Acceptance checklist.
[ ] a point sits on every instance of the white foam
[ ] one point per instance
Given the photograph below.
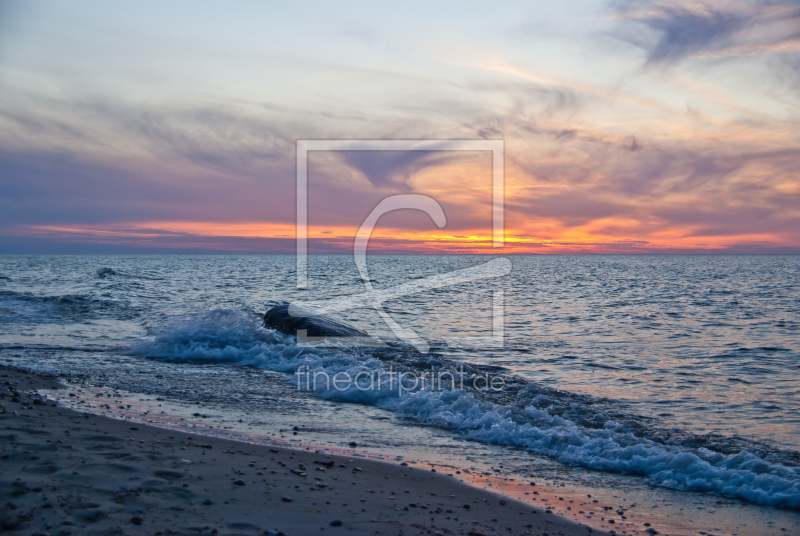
(241, 338)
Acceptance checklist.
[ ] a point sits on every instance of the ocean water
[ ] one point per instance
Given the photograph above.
(681, 371)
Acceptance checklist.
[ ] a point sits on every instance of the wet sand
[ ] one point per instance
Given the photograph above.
(604, 501)
(65, 472)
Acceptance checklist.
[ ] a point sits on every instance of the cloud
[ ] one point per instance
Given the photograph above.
(118, 164)
(788, 70)
(664, 189)
(573, 207)
(388, 168)
(569, 169)
(674, 30)
(80, 244)
(45, 188)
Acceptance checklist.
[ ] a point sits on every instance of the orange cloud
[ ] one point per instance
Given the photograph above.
(605, 235)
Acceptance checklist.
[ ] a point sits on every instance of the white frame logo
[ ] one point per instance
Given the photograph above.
(376, 297)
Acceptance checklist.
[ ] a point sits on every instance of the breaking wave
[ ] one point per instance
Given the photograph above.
(575, 429)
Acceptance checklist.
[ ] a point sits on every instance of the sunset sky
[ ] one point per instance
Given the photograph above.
(171, 126)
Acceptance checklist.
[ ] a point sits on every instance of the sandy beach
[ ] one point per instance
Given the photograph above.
(64, 472)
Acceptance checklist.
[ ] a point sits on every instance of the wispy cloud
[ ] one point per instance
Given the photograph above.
(670, 31)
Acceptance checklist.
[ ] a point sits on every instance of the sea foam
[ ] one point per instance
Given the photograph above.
(238, 337)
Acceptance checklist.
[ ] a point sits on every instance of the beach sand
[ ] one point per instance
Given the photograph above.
(64, 472)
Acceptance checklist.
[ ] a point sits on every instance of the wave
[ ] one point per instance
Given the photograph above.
(65, 308)
(106, 272)
(575, 429)
(102, 273)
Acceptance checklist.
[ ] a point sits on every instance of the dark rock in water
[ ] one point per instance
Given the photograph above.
(278, 318)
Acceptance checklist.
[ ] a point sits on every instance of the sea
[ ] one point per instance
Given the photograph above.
(672, 379)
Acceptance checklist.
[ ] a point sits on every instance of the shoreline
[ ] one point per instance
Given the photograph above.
(66, 472)
(590, 498)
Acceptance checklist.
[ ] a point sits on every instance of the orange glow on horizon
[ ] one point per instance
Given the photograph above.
(591, 238)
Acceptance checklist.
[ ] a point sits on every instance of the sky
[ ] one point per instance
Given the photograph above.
(628, 126)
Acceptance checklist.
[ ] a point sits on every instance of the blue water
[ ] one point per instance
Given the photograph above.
(682, 370)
